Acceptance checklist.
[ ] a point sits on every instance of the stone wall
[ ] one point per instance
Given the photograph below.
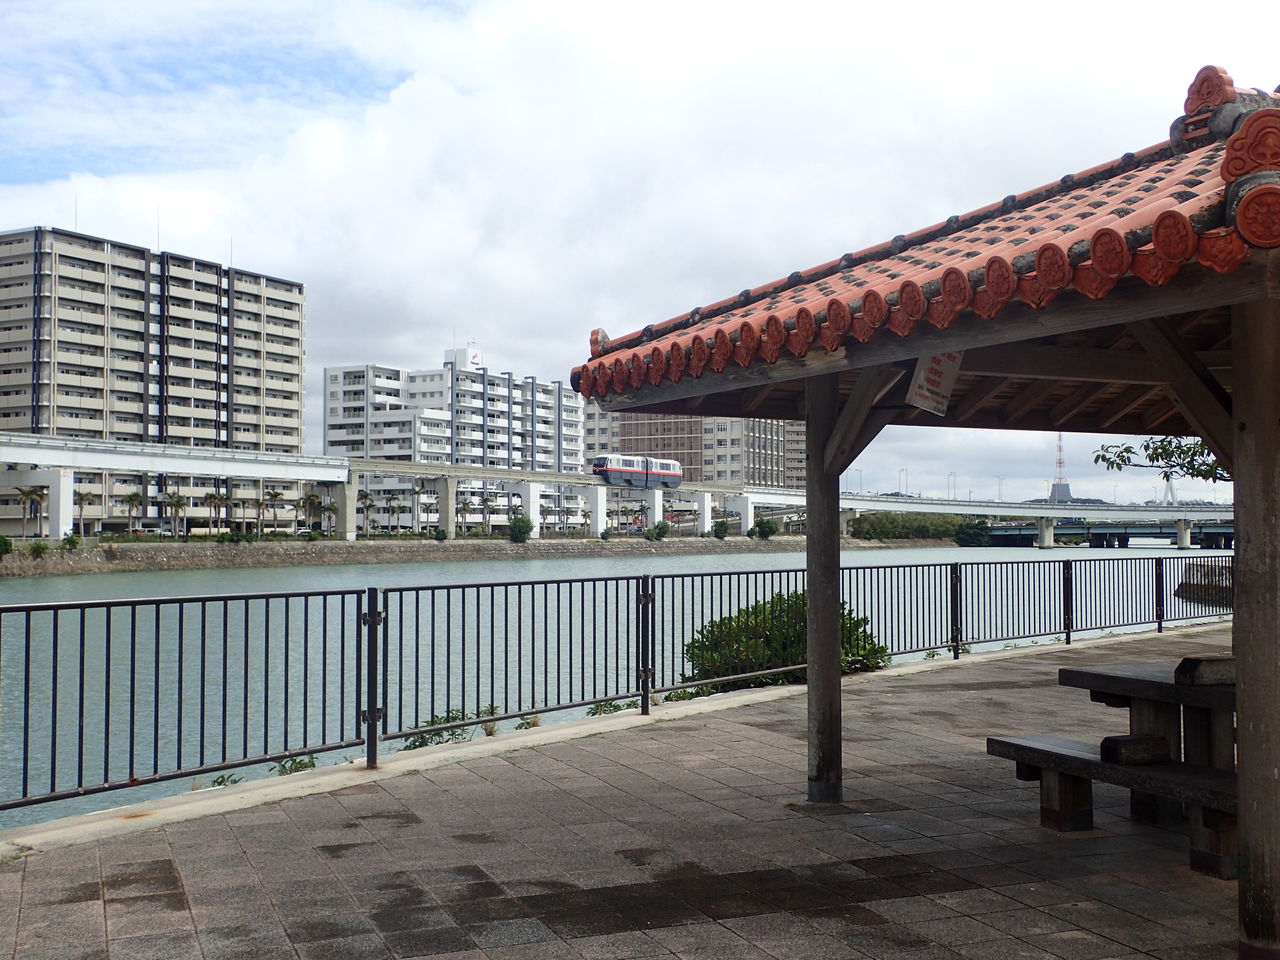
(195, 555)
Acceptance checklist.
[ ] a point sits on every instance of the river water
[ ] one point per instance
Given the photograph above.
(172, 583)
(908, 611)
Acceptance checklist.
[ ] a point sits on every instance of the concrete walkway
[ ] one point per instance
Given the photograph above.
(684, 837)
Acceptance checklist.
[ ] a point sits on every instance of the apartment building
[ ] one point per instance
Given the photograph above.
(729, 450)
(458, 413)
(112, 341)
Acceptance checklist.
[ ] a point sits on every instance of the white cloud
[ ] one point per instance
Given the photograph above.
(520, 173)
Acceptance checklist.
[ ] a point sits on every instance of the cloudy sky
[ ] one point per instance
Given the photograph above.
(520, 171)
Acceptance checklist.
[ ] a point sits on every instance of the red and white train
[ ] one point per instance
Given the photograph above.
(624, 471)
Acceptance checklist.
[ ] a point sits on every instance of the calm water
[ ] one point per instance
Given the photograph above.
(173, 583)
(907, 613)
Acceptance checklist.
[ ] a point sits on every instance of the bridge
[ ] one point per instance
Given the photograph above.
(50, 462)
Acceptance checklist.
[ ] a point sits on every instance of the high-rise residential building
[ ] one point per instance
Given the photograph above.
(458, 413)
(728, 450)
(112, 341)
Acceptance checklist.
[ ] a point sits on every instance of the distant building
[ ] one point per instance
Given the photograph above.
(112, 341)
(458, 413)
(728, 450)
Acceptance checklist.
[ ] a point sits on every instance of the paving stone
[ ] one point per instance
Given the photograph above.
(164, 946)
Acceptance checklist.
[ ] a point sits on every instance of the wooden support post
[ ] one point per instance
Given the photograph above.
(823, 561)
(1066, 801)
(1149, 718)
(1255, 343)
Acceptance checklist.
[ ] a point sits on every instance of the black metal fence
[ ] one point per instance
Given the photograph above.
(98, 696)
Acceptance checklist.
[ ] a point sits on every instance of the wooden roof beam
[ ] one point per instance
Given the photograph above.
(977, 397)
(1027, 400)
(1123, 405)
(871, 386)
(1075, 403)
(1200, 398)
(1031, 362)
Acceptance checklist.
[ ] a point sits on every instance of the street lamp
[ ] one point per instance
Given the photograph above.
(951, 484)
(859, 472)
(999, 488)
(904, 481)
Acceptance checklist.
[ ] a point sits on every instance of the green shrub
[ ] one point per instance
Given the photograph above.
(519, 528)
(38, 549)
(771, 634)
(611, 706)
(651, 534)
(226, 779)
(973, 534)
(766, 528)
(6, 546)
(293, 765)
(440, 535)
(751, 532)
(606, 533)
(905, 526)
(662, 529)
(430, 738)
(529, 721)
(69, 543)
(720, 529)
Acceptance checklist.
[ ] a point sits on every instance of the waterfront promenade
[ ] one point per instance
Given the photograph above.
(683, 836)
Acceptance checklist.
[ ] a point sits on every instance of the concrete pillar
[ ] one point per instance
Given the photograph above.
(58, 512)
(745, 506)
(1255, 342)
(531, 502)
(447, 488)
(344, 496)
(703, 502)
(1184, 534)
(653, 501)
(822, 554)
(61, 505)
(1044, 532)
(598, 504)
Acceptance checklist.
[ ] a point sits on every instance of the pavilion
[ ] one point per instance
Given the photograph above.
(1139, 296)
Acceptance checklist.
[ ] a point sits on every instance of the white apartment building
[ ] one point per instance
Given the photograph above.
(459, 413)
(112, 341)
(728, 450)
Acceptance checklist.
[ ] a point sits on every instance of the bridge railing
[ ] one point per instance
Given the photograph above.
(101, 696)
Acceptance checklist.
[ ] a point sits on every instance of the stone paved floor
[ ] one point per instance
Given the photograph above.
(682, 838)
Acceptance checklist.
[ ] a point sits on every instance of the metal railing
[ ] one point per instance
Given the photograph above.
(103, 695)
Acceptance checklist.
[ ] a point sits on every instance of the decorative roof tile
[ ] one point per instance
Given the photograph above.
(1207, 195)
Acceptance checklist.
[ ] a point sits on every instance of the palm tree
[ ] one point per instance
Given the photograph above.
(462, 510)
(177, 505)
(81, 500)
(329, 514)
(257, 505)
(212, 502)
(400, 510)
(310, 504)
(586, 520)
(274, 498)
(420, 489)
(133, 504)
(545, 511)
(365, 499)
(393, 505)
(30, 496)
(486, 508)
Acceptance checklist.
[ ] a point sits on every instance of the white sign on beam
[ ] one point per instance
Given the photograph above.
(934, 379)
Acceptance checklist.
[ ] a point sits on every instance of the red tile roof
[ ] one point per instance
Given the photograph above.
(1208, 194)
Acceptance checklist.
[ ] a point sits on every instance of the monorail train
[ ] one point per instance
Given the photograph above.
(646, 472)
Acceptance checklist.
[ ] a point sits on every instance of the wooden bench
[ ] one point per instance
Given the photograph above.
(1067, 768)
